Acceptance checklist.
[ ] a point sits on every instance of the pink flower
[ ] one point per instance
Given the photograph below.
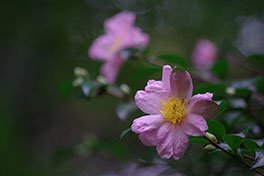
(120, 33)
(204, 54)
(174, 113)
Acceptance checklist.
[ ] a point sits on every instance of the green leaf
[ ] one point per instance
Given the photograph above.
(145, 70)
(222, 107)
(233, 141)
(259, 160)
(251, 145)
(210, 87)
(197, 139)
(124, 133)
(256, 59)
(243, 133)
(124, 110)
(174, 59)
(220, 68)
(216, 128)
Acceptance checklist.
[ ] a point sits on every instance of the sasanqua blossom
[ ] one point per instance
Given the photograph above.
(204, 54)
(174, 113)
(120, 33)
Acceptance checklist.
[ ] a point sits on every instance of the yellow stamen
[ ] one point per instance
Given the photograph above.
(173, 109)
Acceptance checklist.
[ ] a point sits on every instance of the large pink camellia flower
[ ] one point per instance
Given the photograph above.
(174, 113)
(120, 33)
(204, 54)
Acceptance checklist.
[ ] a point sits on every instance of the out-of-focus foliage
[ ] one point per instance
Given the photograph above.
(47, 126)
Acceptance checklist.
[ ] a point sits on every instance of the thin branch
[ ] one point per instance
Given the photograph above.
(232, 155)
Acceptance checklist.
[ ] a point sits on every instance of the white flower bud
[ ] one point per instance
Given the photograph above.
(230, 90)
(211, 136)
(125, 88)
(101, 79)
(79, 71)
(77, 82)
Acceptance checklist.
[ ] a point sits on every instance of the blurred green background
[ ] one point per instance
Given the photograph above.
(43, 128)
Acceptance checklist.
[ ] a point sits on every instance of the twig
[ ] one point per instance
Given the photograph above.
(232, 155)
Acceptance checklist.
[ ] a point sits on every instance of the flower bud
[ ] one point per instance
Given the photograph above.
(230, 90)
(101, 79)
(77, 82)
(125, 88)
(211, 136)
(80, 72)
(209, 147)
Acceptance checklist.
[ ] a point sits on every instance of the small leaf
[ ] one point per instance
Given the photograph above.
(233, 141)
(124, 133)
(216, 128)
(259, 160)
(251, 145)
(145, 70)
(222, 107)
(197, 139)
(124, 110)
(174, 59)
(220, 68)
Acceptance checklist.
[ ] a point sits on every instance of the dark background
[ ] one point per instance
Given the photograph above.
(43, 41)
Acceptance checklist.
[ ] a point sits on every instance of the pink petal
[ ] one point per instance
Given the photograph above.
(146, 123)
(111, 68)
(181, 84)
(194, 125)
(166, 75)
(149, 138)
(174, 144)
(203, 105)
(120, 23)
(149, 100)
(100, 47)
(135, 38)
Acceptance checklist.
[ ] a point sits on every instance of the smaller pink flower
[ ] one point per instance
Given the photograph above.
(174, 113)
(120, 33)
(204, 54)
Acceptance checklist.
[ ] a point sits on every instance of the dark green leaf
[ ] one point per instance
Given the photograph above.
(124, 110)
(66, 88)
(256, 59)
(144, 71)
(197, 139)
(210, 87)
(124, 133)
(220, 68)
(233, 141)
(216, 128)
(259, 160)
(174, 59)
(251, 145)
(243, 133)
(222, 107)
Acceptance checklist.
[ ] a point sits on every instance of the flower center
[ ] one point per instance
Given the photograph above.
(173, 109)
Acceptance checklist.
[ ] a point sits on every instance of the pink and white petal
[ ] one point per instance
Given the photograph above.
(180, 143)
(146, 123)
(181, 84)
(135, 38)
(163, 131)
(149, 138)
(166, 75)
(165, 146)
(174, 143)
(203, 107)
(111, 68)
(120, 23)
(149, 100)
(100, 47)
(194, 125)
(201, 97)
